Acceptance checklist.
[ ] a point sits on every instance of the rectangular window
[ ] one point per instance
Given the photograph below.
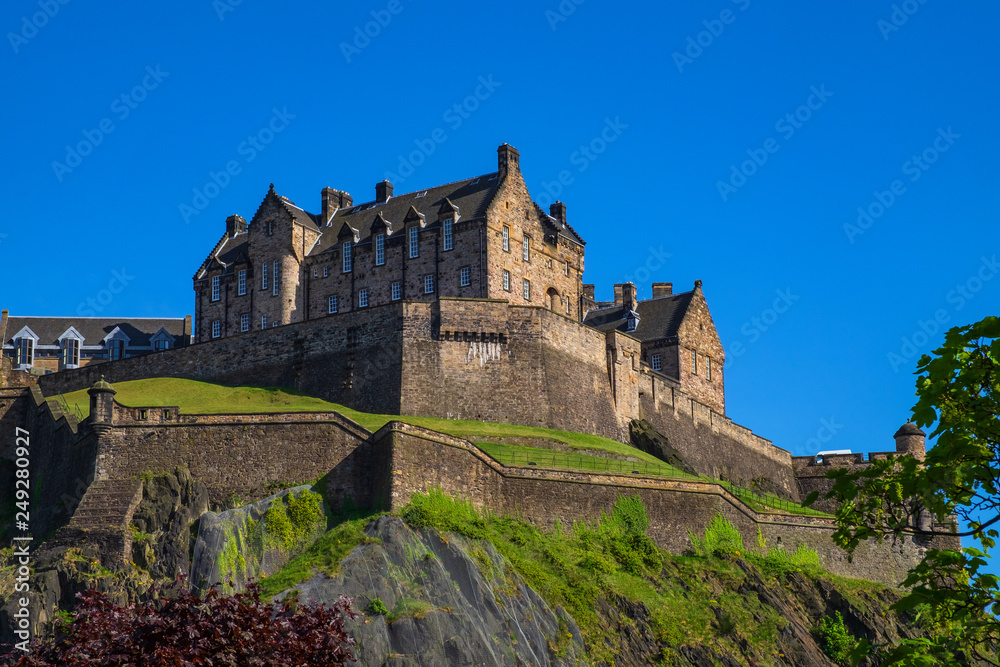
(71, 352)
(216, 329)
(694, 362)
(274, 324)
(506, 238)
(263, 276)
(215, 288)
(315, 273)
(363, 298)
(527, 290)
(428, 284)
(708, 368)
(414, 241)
(567, 268)
(347, 256)
(656, 363)
(326, 271)
(162, 344)
(244, 323)
(274, 280)
(241, 285)
(448, 240)
(379, 249)
(263, 321)
(506, 280)
(331, 304)
(25, 352)
(465, 276)
(116, 349)
(397, 291)
(527, 249)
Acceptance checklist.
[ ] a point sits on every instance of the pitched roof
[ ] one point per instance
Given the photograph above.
(94, 329)
(659, 317)
(556, 226)
(472, 196)
(226, 252)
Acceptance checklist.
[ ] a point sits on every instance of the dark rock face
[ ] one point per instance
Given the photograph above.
(644, 436)
(170, 504)
(451, 601)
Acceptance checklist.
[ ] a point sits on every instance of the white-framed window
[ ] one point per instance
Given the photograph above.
(263, 276)
(363, 298)
(315, 272)
(331, 304)
(414, 241)
(449, 241)
(694, 362)
(567, 268)
(428, 284)
(464, 276)
(397, 291)
(526, 244)
(506, 238)
(71, 353)
(216, 329)
(241, 282)
(506, 280)
(379, 249)
(527, 290)
(326, 271)
(25, 352)
(263, 321)
(215, 288)
(656, 362)
(347, 256)
(274, 280)
(161, 344)
(275, 323)
(244, 323)
(116, 349)
(708, 368)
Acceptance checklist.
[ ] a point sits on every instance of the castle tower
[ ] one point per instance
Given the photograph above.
(910, 440)
(102, 399)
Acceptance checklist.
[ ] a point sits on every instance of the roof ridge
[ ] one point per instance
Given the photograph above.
(413, 192)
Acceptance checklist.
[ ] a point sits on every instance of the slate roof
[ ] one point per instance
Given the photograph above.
(95, 329)
(659, 317)
(554, 226)
(472, 196)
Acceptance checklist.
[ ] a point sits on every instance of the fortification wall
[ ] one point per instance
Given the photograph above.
(810, 473)
(424, 459)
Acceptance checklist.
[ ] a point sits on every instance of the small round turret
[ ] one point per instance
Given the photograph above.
(102, 404)
(911, 440)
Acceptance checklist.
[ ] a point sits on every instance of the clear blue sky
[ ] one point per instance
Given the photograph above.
(680, 114)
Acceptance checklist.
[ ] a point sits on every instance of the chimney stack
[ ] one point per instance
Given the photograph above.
(629, 296)
(910, 440)
(508, 159)
(588, 291)
(235, 225)
(187, 329)
(383, 191)
(558, 211)
(333, 200)
(662, 289)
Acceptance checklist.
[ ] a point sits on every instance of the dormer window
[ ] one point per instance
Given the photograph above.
(347, 256)
(71, 353)
(241, 285)
(215, 288)
(116, 349)
(25, 352)
(414, 241)
(631, 321)
(379, 249)
(656, 362)
(449, 241)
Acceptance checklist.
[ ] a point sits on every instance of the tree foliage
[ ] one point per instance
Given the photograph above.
(958, 392)
(189, 631)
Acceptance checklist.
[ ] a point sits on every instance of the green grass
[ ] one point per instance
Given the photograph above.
(550, 458)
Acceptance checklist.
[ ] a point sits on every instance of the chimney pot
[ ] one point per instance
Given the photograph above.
(662, 289)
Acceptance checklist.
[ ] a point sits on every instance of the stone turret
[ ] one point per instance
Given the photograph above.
(911, 440)
(102, 405)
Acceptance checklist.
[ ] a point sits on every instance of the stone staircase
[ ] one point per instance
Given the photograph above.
(108, 503)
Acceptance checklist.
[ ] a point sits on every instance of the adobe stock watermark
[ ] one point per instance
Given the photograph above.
(787, 126)
(914, 168)
(582, 158)
(654, 262)
(31, 25)
(121, 107)
(97, 303)
(562, 12)
(249, 149)
(901, 13)
(915, 344)
(2, 237)
(757, 325)
(828, 429)
(223, 7)
(714, 28)
(454, 116)
(381, 18)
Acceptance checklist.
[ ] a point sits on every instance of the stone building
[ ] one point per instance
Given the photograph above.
(482, 237)
(49, 344)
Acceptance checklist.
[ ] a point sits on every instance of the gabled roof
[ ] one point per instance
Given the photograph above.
(228, 251)
(94, 330)
(659, 317)
(471, 196)
(555, 226)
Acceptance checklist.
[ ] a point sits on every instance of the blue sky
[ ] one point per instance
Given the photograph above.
(728, 141)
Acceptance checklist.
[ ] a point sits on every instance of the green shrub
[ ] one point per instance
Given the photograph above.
(376, 607)
(721, 538)
(836, 640)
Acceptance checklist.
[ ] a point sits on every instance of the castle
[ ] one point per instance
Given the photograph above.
(463, 301)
